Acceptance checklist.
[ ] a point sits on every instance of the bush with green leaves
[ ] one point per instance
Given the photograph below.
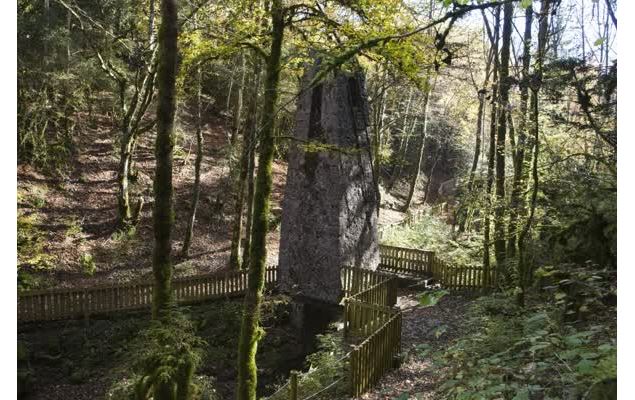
(514, 353)
(32, 254)
(162, 362)
(87, 262)
(429, 232)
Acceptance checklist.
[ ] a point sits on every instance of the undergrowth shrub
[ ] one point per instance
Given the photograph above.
(163, 359)
(87, 262)
(514, 353)
(430, 232)
(327, 371)
(32, 254)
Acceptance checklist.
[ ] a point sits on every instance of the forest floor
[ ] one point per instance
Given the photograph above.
(75, 214)
(71, 360)
(75, 211)
(424, 331)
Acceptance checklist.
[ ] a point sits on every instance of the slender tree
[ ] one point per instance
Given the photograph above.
(250, 330)
(237, 229)
(543, 30)
(424, 131)
(480, 119)
(163, 213)
(504, 85)
(519, 160)
(196, 191)
(493, 37)
(252, 127)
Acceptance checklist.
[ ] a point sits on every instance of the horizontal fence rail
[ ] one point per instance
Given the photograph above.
(53, 304)
(399, 260)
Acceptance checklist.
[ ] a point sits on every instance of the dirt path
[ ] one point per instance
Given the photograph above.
(420, 326)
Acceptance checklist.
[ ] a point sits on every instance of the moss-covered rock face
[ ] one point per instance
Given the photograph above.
(330, 204)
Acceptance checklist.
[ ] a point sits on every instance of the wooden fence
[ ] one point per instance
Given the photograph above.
(377, 354)
(52, 304)
(422, 263)
(399, 260)
(357, 282)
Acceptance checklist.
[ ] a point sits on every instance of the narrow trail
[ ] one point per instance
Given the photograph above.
(416, 376)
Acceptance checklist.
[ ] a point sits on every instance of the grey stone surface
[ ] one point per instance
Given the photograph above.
(329, 210)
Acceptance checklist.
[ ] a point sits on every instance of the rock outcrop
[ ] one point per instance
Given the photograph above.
(330, 205)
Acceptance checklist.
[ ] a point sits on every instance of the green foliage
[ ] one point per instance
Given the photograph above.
(87, 262)
(125, 240)
(430, 232)
(74, 228)
(326, 367)
(34, 197)
(431, 298)
(32, 256)
(166, 354)
(579, 290)
(515, 353)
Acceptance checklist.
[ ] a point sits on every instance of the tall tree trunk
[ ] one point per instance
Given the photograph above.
(163, 213)
(196, 191)
(237, 229)
(519, 160)
(131, 116)
(123, 176)
(504, 84)
(424, 131)
(464, 211)
(543, 29)
(488, 277)
(252, 127)
(403, 144)
(239, 100)
(250, 330)
(426, 190)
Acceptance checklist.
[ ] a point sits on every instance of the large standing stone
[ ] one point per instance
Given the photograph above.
(329, 211)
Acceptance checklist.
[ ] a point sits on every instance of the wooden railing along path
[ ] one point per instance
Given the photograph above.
(371, 322)
(52, 304)
(422, 263)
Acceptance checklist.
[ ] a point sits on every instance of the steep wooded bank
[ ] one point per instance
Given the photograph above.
(492, 140)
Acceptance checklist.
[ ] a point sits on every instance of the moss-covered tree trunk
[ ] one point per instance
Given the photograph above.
(237, 228)
(543, 30)
(504, 86)
(519, 161)
(250, 139)
(250, 330)
(163, 214)
(196, 192)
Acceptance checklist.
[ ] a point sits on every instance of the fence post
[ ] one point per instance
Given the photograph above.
(85, 310)
(294, 385)
(346, 318)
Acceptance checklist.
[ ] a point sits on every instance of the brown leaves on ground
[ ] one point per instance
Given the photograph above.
(436, 326)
